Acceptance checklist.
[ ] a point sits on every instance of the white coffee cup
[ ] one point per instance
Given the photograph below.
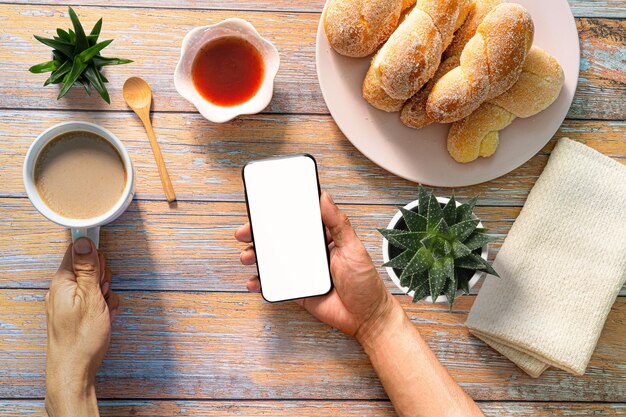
(79, 227)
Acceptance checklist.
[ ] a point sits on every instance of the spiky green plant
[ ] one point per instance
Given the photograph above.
(439, 250)
(76, 59)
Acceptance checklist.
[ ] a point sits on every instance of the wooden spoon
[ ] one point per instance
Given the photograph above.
(138, 96)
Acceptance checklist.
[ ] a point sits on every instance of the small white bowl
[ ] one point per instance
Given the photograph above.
(200, 36)
(392, 274)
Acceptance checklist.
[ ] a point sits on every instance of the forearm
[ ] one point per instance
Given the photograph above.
(70, 396)
(414, 379)
(63, 405)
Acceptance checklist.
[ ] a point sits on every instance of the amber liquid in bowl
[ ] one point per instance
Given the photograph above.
(228, 71)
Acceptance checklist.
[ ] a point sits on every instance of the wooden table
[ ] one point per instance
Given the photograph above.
(189, 340)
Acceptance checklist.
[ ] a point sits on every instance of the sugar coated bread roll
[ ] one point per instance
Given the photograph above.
(491, 63)
(414, 111)
(413, 52)
(538, 86)
(357, 28)
(476, 14)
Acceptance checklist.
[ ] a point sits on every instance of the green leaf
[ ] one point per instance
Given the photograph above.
(442, 228)
(464, 211)
(101, 61)
(477, 240)
(72, 36)
(436, 279)
(87, 86)
(407, 240)
(435, 213)
(63, 35)
(65, 48)
(90, 52)
(70, 78)
(459, 249)
(96, 30)
(450, 290)
(401, 261)
(389, 235)
(421, 261)
(57, 76)
(92, 40)
(81, 38)
(415, 222)
(60, 57)
(488, 268)
(44, 67)
(471, 261)
(406, 281)
(448, 266)
(390, 232)
(94, 76)
(462, 278)
(438, 247)
(423, 201)
(462, 230)
(421, 288)
(449, 211)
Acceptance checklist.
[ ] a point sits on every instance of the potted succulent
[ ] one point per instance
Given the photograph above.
(436, 248)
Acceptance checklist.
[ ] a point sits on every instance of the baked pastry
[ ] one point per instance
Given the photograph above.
(475, 16)
(538, 86)
(413, 52)
(357, 28)
(413, 112)
(491, 63)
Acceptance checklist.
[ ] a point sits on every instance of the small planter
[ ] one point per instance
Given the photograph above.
(397, 222)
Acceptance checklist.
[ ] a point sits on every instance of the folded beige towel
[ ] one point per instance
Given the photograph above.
(561, 266)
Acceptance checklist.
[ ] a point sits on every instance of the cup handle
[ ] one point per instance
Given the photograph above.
(92, 233)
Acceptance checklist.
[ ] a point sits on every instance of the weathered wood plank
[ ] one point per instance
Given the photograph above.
(580, 8)
(152, 246)
(153, 41)
(18, 408)
(597, 75)
(224, 345)
(205, 160)
(188, 248)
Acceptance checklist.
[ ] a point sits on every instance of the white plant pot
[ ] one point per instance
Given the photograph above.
(396, 279)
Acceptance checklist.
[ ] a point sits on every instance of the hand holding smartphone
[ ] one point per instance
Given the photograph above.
(283, 201)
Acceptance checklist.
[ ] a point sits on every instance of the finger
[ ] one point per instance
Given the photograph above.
(113, 302)
(66, 270)
(102, 262)
(86, 263)
(106, 284)
(329, 237)
(337, 223)
(244, 233)
(248, 256)
(106, 279)
(254, 285)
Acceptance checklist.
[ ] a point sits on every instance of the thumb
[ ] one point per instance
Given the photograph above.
(86, 263)
(337, 222)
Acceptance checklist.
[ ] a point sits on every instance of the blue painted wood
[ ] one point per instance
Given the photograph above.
(222, 345)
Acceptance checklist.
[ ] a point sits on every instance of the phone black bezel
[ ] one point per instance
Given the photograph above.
(319, 194)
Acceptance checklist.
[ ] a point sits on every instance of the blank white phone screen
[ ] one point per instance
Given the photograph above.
(289, 237)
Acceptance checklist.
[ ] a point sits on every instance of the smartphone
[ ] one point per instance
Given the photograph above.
(283, 201)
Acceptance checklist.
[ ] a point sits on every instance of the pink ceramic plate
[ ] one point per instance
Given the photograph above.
(421, 155)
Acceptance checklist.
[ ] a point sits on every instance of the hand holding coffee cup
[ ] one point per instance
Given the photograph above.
(79, 175)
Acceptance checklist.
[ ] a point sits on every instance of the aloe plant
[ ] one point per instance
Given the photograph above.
(76, 59)
(439, 251)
